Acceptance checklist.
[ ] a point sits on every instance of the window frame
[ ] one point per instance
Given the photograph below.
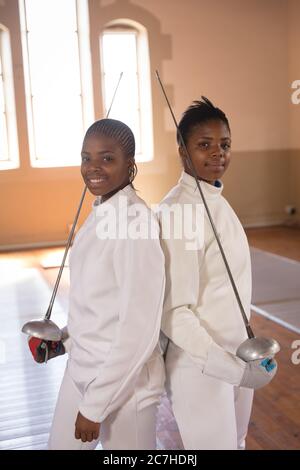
(13, 160)
(85, 79)
(144, 109)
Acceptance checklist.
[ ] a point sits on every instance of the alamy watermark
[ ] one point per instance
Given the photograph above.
(183, 222)
(295, 97)
(296, 354)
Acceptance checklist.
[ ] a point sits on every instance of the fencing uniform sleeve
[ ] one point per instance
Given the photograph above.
(66, 339)
(139, 270)
(181, 324)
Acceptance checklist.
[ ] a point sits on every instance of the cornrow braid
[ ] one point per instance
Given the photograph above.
(117, 130)
(122, 134)
(198, 113)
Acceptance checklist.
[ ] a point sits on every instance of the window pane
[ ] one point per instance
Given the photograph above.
(119, 54)
(58, 130)
(3, 124)
(55, 87)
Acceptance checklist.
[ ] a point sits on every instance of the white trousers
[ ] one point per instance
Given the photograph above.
(211, 414)
(133, 426)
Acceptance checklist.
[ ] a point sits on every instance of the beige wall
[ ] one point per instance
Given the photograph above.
(257, 185)
(294, 74)
(242, 54)
(235, 52)
(294, 69)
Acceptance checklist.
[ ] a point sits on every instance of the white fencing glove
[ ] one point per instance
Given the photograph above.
(259, 373)
(229, 368)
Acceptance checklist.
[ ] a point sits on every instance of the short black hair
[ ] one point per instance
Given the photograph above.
(199, 112)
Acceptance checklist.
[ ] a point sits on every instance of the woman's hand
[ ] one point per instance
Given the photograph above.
(85, 429)
(43, 350)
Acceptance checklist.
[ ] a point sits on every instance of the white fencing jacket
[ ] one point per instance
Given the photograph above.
(116, 299)
(201, 314)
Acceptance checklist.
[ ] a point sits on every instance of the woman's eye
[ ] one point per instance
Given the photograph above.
(84, 159)
(204, 145)
(226, 146)
(107, 158)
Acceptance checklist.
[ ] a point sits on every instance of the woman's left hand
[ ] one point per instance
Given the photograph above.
(85, 429)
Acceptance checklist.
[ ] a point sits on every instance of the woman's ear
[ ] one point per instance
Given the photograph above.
(181, 153)
(132, 169)
(184, 160)
(130, 162)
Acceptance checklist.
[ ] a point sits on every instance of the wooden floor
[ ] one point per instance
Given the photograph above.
(284, 241)
(275, 421)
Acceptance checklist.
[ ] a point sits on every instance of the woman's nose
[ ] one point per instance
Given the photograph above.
(217, 151)
(95, 166)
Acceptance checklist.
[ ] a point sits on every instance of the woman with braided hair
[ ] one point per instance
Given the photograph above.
(115, 374)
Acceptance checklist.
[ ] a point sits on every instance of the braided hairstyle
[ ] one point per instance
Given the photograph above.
(198, 113)
(122, 134)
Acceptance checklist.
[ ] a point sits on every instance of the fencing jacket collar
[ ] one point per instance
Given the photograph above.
(210, 191)
(127, 191)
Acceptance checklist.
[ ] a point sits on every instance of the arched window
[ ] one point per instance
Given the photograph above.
(58, 81)
(9, 151)
(124, 48)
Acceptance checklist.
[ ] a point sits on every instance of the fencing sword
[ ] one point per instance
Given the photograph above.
(254, 347)
(45, 328)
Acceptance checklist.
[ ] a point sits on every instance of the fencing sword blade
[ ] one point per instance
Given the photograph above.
(114, 94)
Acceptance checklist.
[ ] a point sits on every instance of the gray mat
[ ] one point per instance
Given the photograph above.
(28, 391)
(276, 288)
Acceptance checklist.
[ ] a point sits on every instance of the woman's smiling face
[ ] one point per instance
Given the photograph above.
(104, 166)
(209, 146)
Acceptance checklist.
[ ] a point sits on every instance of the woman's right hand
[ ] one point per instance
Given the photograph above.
(43, 350)
(259, 373)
